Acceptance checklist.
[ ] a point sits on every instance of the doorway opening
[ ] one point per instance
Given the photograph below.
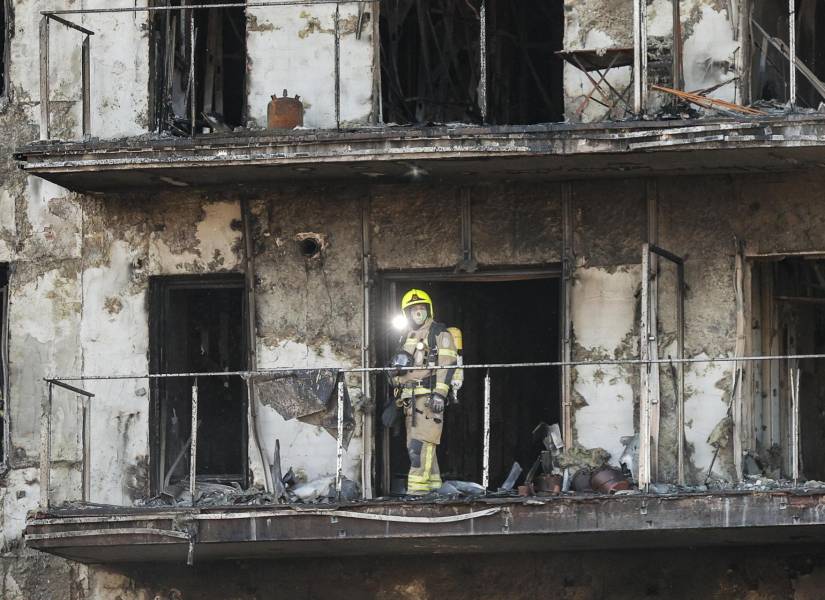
(197, 326)
(503, 320)
(788, 310)
(219, 68)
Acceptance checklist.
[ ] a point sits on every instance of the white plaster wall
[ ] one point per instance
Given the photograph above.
(293, 48)
(706, 404)
(710, 41)
(303, 446)
(603, 314)
(119, 67)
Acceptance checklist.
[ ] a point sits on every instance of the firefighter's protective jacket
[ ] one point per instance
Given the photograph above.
(430, 346)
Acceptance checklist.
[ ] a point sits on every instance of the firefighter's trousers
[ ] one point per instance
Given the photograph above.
(423, 437)
(424, 476)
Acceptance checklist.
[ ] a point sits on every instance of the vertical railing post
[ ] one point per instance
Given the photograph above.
(44, 77)
(640, 56)
(193, 447)
(45, 447)
(193, 98)
(86, 76)
(644, 379)
(485, 472)
(86, 449)
(680, 382)
(792, 52)
(339, 441)
(482, 84)
(793, 377)
(337, 52)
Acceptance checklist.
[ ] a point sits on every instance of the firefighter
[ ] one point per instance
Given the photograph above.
(422, 393)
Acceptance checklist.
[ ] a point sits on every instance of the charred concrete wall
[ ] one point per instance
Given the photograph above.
(751, 573)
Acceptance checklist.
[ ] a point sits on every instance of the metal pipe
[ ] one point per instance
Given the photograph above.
(485, 469)
(85, 75)
(566, 316)
(71, 388)
(86, 434)
(135, 9)
(680, 385)
(637, 57)
(193, 447)
(251, 338)
(339, 440)
(68, 24)
(45, 447)
(644, 391)
(482, 83)
(794, 380)
(192, 92)
(524, 365)
(366, 384)
(337, 68)
(792, 52)
(44, 78)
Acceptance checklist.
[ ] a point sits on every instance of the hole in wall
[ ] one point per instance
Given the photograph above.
(309, 247)
(310, 244)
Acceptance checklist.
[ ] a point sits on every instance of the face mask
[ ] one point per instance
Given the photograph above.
(418, 314)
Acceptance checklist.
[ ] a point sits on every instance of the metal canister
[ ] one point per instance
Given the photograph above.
(285, 112)
(608, 480)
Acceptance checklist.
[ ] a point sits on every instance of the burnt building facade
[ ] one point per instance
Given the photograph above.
(618, 203)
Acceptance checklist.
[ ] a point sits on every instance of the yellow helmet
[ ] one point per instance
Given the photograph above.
(414, 297)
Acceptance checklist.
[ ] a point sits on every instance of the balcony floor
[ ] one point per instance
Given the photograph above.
(472, 153)
(108, 535)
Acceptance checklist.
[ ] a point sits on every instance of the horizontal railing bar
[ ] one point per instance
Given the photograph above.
(135, 9)
(573, 363)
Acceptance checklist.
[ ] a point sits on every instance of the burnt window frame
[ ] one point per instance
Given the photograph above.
(6, 28)
(159, 286)
(487, 107)
(159, 25)
(4, 365)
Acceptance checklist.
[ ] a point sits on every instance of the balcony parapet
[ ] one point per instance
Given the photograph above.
(393, 154)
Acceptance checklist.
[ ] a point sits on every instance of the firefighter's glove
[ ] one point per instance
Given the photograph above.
(400, 361)
(437, 403)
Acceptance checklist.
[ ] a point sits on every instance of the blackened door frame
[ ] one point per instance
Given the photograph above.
(159, 310)
(388, 281)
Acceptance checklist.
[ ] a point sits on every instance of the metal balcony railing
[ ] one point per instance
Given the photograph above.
(86, 402)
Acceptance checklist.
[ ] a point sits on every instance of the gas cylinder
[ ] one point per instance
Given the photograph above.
(284, 112)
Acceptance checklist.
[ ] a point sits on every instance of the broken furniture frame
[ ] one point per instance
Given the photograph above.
(602, 61)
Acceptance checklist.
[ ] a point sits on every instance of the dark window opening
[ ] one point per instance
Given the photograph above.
(501, 322)
(431, 61)
(197, 325)
(4, 364)
(525, 73)
(770, 65)
(219, 74)
(789, 316)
